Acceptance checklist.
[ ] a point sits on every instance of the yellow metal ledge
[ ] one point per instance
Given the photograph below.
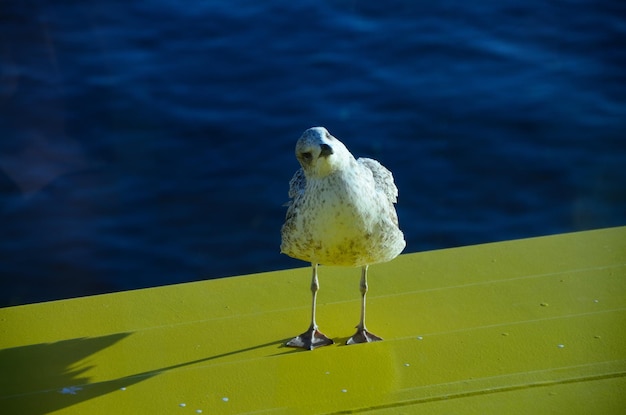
(529, 326)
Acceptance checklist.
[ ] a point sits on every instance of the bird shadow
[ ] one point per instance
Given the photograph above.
(43, 378)
(337, 342)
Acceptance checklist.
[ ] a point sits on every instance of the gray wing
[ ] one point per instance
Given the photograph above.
(382, 178)
(297, 184)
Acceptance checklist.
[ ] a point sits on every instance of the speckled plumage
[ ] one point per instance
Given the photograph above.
(341, 210)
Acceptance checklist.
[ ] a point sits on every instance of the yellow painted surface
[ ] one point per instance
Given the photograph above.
(529, 326)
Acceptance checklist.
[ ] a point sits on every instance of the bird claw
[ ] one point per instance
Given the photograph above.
(363, 336)
(310, 339)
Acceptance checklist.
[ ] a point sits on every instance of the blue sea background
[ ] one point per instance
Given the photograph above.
(146, 143)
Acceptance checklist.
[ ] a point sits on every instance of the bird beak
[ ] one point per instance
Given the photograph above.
(326, 150)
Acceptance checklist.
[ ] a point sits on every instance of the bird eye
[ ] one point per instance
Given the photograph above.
(306, 156)
(328, 136)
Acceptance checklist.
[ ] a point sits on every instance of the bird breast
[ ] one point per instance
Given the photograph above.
(341, 220)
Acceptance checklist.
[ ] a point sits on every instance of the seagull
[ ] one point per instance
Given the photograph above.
(341, 212)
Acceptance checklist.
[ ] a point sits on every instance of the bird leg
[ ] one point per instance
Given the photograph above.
(311, 338)
(362, 335)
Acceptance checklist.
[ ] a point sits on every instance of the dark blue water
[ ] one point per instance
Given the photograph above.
(149, 143)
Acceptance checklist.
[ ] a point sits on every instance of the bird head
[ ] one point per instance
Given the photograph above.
(321, 154)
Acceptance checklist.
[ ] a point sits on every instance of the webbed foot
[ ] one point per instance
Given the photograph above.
(310, 339)
(363, 336)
